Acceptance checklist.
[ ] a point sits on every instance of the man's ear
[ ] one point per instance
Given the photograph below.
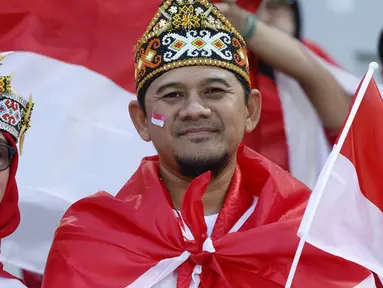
(139, 119)
(254, 105)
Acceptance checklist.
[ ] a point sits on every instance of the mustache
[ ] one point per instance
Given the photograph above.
(185, 127)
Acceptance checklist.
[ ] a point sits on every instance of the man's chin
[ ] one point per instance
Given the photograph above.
(194, 163)
(201, 148)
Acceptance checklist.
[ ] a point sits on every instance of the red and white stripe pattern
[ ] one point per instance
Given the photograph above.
(164, 275)
(82, 139)
(348, 220)
(158, 119)
(80, 126)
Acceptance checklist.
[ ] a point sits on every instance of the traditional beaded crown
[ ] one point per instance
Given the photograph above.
(15, 111)
(189, 33)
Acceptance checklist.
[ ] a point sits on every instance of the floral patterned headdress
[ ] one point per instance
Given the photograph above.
(189, 33)
(15, 111)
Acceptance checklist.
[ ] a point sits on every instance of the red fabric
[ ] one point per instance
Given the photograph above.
(32, 280)
(379, 284)
(99, 35)
(269, 137)
(106, 241)
(9, 209)
(250, 5)
(363, 145)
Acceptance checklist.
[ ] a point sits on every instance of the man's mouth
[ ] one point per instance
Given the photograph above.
(198, 131)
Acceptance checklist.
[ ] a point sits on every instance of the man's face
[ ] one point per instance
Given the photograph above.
(277, 14)
(206, 118)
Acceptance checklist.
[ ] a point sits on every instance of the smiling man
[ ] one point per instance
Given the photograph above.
(205, 212)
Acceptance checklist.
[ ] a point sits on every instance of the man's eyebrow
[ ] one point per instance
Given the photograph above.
(216, 80)
(168, 85)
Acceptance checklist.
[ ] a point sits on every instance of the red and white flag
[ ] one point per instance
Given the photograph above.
(77, 61)
(158, 119)
(344, 216)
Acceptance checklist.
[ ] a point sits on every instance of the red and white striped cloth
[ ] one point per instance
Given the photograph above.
(346, 207)
(78, 64)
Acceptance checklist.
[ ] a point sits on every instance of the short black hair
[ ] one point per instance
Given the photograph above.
(380, 47)
(144, 89)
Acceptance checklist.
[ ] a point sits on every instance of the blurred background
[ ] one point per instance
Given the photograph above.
(347, 29)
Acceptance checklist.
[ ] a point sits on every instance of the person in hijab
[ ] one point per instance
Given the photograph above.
(15, 113)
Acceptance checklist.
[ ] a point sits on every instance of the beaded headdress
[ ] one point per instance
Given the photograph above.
(189, 33)
(15, 111)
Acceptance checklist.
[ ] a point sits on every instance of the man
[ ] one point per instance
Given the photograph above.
(15, 113)
(205, 212)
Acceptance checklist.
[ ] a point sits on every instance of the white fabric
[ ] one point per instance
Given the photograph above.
(11, 283)
(245, 216)
(306, 141)
(163, 276)
(346, 223)
(81, 141)
(210, 222)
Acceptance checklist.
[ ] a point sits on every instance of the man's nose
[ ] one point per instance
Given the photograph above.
(194, 109)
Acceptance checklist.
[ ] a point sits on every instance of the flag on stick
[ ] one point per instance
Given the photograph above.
(344, 216)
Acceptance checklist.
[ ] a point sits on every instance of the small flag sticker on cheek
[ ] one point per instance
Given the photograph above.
(158, 119)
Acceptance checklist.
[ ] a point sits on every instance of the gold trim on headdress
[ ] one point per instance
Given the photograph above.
(26, 122)
(187, 33)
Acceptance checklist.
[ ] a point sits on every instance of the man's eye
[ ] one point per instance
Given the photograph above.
(173, 95)
(215, 92)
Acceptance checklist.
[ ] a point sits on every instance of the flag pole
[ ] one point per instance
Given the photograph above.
(322, 181)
